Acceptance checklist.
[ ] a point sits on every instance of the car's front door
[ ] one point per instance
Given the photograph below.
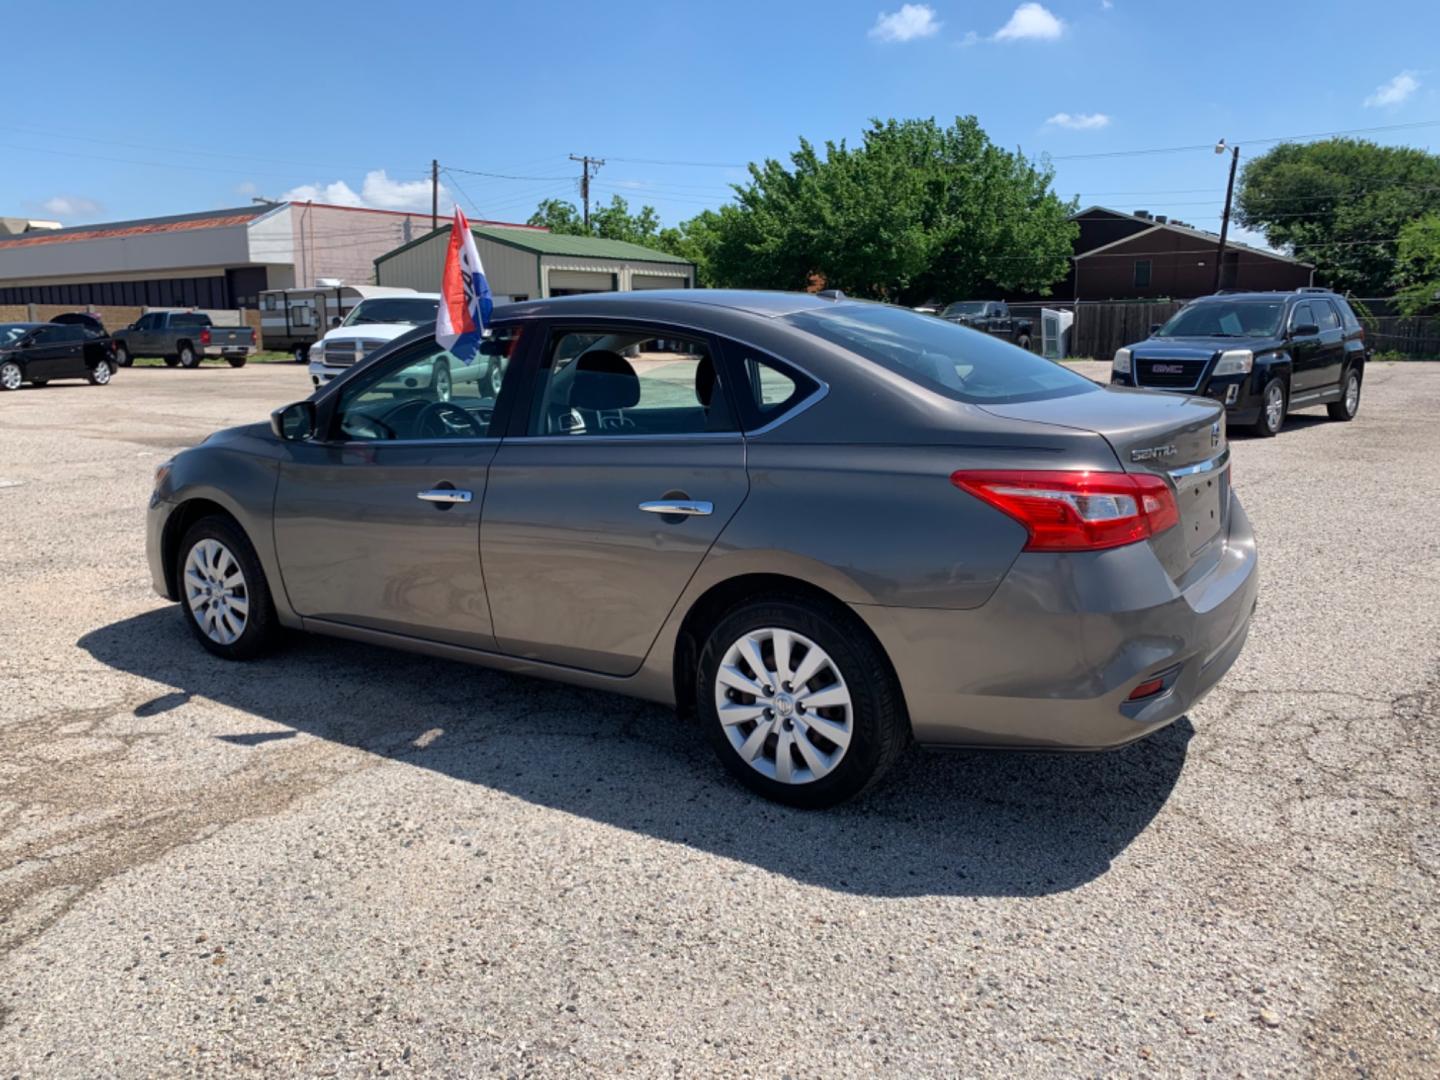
(377, 522)
(622, 470)
(1305, 349)
(141, 340)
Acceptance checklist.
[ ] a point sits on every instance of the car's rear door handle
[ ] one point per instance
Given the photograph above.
(683, 507)
(444, 495)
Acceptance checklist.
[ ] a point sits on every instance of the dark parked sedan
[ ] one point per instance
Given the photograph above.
(38, 353)
(824, 526)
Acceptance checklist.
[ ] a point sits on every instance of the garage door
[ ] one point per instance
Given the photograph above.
(564, 282)
(656, 281)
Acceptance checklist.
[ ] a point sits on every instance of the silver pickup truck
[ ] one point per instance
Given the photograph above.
(184, 338)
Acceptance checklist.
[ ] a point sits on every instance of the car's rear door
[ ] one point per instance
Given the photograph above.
(615, 481)
(378, 525)
(46, 356)
(1331, 353)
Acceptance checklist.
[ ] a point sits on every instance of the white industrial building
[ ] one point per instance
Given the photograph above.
(215, 259)
(526, 264)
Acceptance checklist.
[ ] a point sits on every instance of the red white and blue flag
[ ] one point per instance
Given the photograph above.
(465, 302)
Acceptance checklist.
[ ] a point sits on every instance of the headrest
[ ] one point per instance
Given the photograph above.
(604, 380)
(705, 381)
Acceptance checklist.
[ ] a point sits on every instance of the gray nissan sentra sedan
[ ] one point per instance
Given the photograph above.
(824, 526)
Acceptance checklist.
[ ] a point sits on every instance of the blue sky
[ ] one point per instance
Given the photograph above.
(165, 107)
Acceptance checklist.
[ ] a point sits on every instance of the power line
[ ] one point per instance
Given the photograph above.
(1247, 142)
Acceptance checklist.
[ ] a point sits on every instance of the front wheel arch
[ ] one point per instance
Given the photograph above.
(178, 524)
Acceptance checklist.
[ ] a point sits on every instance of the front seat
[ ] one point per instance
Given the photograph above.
(602, 381)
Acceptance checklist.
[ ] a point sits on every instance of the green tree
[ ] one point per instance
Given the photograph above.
(613, 222)
(1340, 204)
(1417, 266)
(915, 212)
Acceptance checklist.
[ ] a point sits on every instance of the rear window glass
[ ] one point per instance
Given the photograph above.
(960, 363)
(189, 320)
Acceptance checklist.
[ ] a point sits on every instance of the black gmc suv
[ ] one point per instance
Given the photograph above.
(1262, 354)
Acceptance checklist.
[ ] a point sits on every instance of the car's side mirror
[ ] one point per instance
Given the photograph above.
(1155, 327)
(1308, 329)
(295, 422)
(335, 321)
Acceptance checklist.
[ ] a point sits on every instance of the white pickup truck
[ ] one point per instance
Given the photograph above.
(374, 323)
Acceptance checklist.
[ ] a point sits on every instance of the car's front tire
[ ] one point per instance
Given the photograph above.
(224, 597)
(11, 376)
(1349, 403)
(123, 357)
(1272, 408)
(800, 703)
(441, 381)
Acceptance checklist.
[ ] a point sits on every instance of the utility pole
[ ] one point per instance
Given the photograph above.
(589, 166)
(434, 194)
(1225, 220)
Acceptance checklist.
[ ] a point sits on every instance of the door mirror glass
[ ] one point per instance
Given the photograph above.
(295, 422)
(1308, 329)
(335, 321)
(1154, 327)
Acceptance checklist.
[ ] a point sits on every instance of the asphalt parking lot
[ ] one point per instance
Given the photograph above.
(344, 861)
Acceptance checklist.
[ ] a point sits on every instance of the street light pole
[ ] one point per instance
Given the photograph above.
(1225, 220)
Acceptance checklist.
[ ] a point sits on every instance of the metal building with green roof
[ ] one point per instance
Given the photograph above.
(525, 264)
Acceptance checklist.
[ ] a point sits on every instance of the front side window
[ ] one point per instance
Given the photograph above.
(964, 364)
(423, 392)
(627, 383)
(1303, 315)
(11, 334)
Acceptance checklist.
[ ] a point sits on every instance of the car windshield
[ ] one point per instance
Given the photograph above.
(956, 361)
(13, 332)
(1226, 318)
(407, 310)
(965, 307)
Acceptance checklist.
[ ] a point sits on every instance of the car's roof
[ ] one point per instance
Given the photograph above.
(27, 325)
(1275, 294)
(661, 302)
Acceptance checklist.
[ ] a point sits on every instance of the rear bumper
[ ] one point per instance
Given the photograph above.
(1051, 659)
(228, 350)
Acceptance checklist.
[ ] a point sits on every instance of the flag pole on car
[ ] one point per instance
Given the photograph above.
(463, 318)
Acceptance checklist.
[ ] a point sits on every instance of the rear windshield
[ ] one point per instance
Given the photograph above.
(1226, 318)
(410, 312)
(960, 363)
(189, 320)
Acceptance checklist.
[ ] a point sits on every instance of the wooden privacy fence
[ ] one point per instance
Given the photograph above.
(1101, 327)
(1416, 339)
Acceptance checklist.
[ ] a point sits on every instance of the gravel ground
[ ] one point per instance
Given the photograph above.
(350, 862)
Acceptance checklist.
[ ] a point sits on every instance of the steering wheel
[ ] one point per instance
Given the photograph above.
(446, 420)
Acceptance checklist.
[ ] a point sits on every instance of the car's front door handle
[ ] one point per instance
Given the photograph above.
(682, 507)
(444, 495)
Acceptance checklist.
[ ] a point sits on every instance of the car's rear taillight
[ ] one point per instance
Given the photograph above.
(1076, 511)
(205, 336)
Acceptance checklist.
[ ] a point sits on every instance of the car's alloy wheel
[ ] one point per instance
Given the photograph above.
(1349, 404)
(441, 382)
(100, 374)
(1272, 408)
(784, 705)
(215, 591)
(11, 376)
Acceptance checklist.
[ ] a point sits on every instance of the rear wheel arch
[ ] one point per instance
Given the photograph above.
(723, 597)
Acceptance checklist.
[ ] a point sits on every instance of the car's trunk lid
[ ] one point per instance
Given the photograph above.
(1181, 438)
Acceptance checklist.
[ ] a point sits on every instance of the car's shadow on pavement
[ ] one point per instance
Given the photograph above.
(964, 824)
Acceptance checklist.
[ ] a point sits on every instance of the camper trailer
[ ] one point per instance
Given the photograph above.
(292, 320)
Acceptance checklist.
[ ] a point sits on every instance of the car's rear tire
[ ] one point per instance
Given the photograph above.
(1349, 403)
(188, 357)
(441, 381)
(231, 616)
(11, 376)
(785, 744)
(172, 361)
(302, 354)
(123, 357)
(236, 361)
(1273, 400)
(101, 373)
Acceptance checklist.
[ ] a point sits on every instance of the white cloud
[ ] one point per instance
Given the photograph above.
(377, 190)
(1106, 5)
(1079, 121)
(246, 187)
(970, 38)
(1031, 22)
(1394, 92)
(71, 207)
(910, 22)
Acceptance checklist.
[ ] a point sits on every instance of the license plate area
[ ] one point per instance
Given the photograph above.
(1202, 503)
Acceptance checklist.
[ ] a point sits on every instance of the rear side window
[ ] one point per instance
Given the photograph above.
(771, 388)
(1325, 315)
(964, 364)
(1347, 317)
